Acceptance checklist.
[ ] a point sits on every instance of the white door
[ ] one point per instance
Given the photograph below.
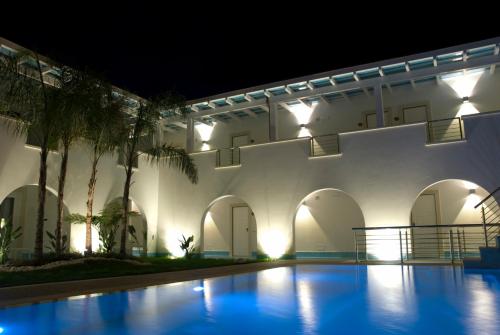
(426, 243)
(238, 141)
(415, 114)
(241, 223)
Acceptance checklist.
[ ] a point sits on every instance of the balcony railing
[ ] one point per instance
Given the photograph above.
(227, 157)
(426, 242)
(445, 130)
(325, 145)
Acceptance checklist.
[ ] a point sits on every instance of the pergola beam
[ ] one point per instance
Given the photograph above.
(366, 83)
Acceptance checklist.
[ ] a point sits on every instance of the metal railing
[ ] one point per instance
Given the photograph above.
(425, 242)
(325, 145)
(227, 157)
(490, 216)
(445, 130)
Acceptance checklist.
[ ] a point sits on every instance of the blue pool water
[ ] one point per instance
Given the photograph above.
(302, 299)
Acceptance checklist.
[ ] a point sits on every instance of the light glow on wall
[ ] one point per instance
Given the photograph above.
(173, 238)
(463, 83)
(205, 133)
(304, 132)
(302, 112)
(274, 243)
(384, 245)
(467, 108)
(77, 238)
(303, 213)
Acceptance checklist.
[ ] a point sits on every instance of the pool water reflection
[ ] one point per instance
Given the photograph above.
(302, 299)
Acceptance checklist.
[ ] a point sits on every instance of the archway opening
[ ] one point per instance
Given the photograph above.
(448, 209)
(137, 243)
(229, 229)
(21, 207)
(323, 225)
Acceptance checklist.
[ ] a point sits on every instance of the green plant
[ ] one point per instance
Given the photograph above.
(63, 244)
(186, 246)
(107, 224)
(7, 236)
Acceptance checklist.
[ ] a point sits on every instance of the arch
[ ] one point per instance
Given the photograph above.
(21, 206)
(138, 246)
(447, 202)
(323, 222)
(455, 200)
(228, 229)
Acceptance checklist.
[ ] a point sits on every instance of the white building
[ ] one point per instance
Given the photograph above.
(290, 168)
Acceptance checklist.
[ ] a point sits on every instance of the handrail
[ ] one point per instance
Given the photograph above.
(452, 242)
(324, 145)
(489, 196)
(445, 130)
(427, 226)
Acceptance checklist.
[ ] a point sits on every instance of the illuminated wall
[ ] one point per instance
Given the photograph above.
(20, 167)
(323, 224)
(456, 201)
(343, 115)
(383, 170)
(217, 226)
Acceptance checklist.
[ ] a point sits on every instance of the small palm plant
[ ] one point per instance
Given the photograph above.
(107, 224)
(57, 247)
(186, 246)
(7, 236)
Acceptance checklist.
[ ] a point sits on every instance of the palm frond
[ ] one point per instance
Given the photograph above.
(175, 157)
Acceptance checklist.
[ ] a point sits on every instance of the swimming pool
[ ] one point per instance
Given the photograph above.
(302, 299)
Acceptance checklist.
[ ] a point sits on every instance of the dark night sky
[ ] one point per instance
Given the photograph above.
(201, 50)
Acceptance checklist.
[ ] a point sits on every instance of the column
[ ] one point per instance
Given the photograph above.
(379, 105)
(273, 121)
(190, 135)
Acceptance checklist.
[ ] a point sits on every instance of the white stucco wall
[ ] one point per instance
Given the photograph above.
(19, 167)
(218, 226)
(324, 220)
(344, 115)
(384, 170)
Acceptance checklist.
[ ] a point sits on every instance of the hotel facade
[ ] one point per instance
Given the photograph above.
(288, 169)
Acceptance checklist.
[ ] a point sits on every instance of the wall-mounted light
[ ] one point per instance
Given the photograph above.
(304, 132)
(463, 84)
(205, 132)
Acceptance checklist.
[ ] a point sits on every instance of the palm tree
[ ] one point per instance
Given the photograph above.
(103, 131)
(72, 99)
(143, 126)
(26, 96)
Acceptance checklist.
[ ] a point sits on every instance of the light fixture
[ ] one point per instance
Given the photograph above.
(463, 82)
(304, 132)
(1, 330)
(198, 288)
(205, 132)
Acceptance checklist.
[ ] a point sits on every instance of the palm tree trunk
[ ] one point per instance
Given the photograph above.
(60, 197)
(90, 204)
(42, 188)
(126, 192)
